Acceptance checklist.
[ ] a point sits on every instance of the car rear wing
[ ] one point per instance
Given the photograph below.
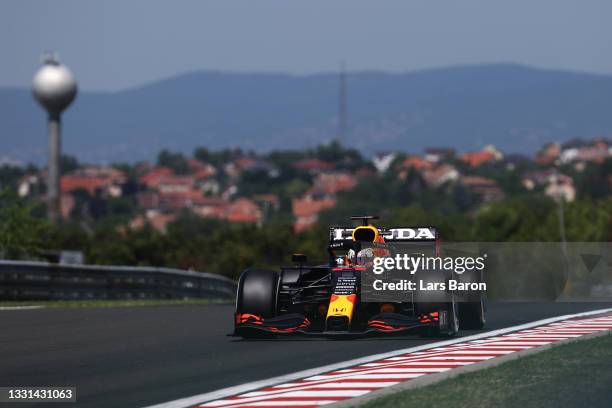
(400, 234)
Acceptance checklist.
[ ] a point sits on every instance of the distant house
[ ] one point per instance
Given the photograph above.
(229, 192)
(180, 200)
(313, 166)
(240, 210)
(306, 209)
(28, 185)
(416, 162)
(332, 183)
(236, 167)
(440, 175)
(200, 170)
(533, 179)
(413, 163)
(327, 183)
(568, 155)
(439, 154)
(486, 188)
(487, 154)
(148, 200)
(172, 200)
(72, 182)
(209, 186)
(383, 161)
(475, 159)
(561, 187)
(243, 210)
(105, 180)
(549, 154)
(152, 178)
(175, 184)
(555, 184)
(596, 152)
(213, 207)
(157, 220)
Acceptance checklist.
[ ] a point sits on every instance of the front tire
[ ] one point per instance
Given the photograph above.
(257, 292)
(450, 327)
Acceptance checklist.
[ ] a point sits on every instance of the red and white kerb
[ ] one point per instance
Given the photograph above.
(361, 379)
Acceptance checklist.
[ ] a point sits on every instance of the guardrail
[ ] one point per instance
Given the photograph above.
(24, 280)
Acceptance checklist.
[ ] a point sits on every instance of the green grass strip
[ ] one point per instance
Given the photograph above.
(577, 374)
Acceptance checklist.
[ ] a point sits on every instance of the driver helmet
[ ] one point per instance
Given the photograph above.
(365, 257)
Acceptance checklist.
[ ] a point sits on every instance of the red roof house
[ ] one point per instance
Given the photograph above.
(152, 178)
(333, 183)
(416, 162)
(243, 210)
(71, 182)
(475, 159)
(306, 210)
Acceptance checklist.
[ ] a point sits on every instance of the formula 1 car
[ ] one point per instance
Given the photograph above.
(327, 300)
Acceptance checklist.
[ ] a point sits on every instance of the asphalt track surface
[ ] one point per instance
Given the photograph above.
(130, 357)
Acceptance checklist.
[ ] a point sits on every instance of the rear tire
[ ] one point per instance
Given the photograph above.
(453, 323)
(472, 315)
(257, 292)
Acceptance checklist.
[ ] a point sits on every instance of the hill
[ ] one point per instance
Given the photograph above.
(516, 108)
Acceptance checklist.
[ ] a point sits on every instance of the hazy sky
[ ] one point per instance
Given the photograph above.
(113, 44)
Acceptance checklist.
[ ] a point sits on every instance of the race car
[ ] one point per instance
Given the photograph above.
(326, 300)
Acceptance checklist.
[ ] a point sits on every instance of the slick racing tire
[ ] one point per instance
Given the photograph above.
(472, 315)
(454, 322)
(257, 292)
(441, 301)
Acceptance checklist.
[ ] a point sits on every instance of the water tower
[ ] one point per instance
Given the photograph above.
(54, 87)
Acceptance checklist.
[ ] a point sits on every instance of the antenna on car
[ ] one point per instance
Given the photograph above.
(365, 219)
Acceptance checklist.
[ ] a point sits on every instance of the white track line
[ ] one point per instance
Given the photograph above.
(445, 353)
(2, 308)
